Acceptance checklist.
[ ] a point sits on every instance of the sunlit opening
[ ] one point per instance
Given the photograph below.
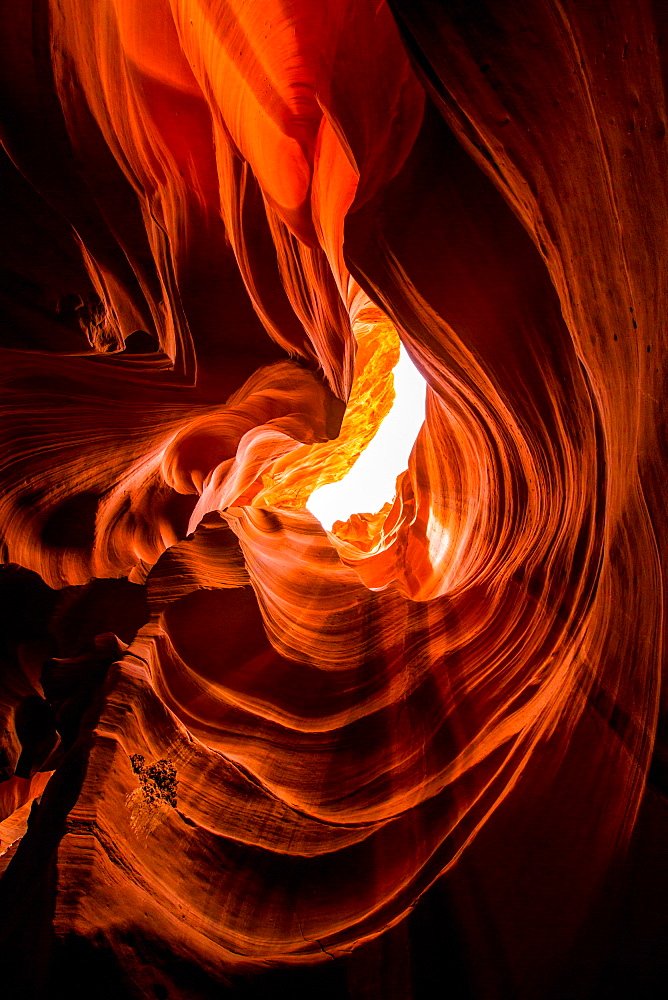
(371, 482)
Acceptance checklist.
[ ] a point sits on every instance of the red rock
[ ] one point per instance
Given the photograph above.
(282, 761)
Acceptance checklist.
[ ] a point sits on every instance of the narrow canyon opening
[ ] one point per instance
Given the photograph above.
(370, 483)
(349, 483)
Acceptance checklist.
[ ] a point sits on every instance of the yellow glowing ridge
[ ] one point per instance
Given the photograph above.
(371, 482)
(356, 473)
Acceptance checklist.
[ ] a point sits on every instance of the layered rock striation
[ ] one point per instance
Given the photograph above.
(239, 747)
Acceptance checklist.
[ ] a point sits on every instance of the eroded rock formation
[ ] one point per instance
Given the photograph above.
(245, 756)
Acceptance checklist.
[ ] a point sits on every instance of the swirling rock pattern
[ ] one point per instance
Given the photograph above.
(243, 755)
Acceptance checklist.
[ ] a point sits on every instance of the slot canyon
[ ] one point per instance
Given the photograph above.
(250, 749)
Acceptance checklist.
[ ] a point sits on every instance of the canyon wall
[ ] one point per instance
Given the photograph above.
(421, 754)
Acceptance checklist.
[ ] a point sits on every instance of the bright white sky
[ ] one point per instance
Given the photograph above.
(372, 480)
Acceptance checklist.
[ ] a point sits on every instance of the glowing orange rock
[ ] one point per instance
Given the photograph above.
(300, 733)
